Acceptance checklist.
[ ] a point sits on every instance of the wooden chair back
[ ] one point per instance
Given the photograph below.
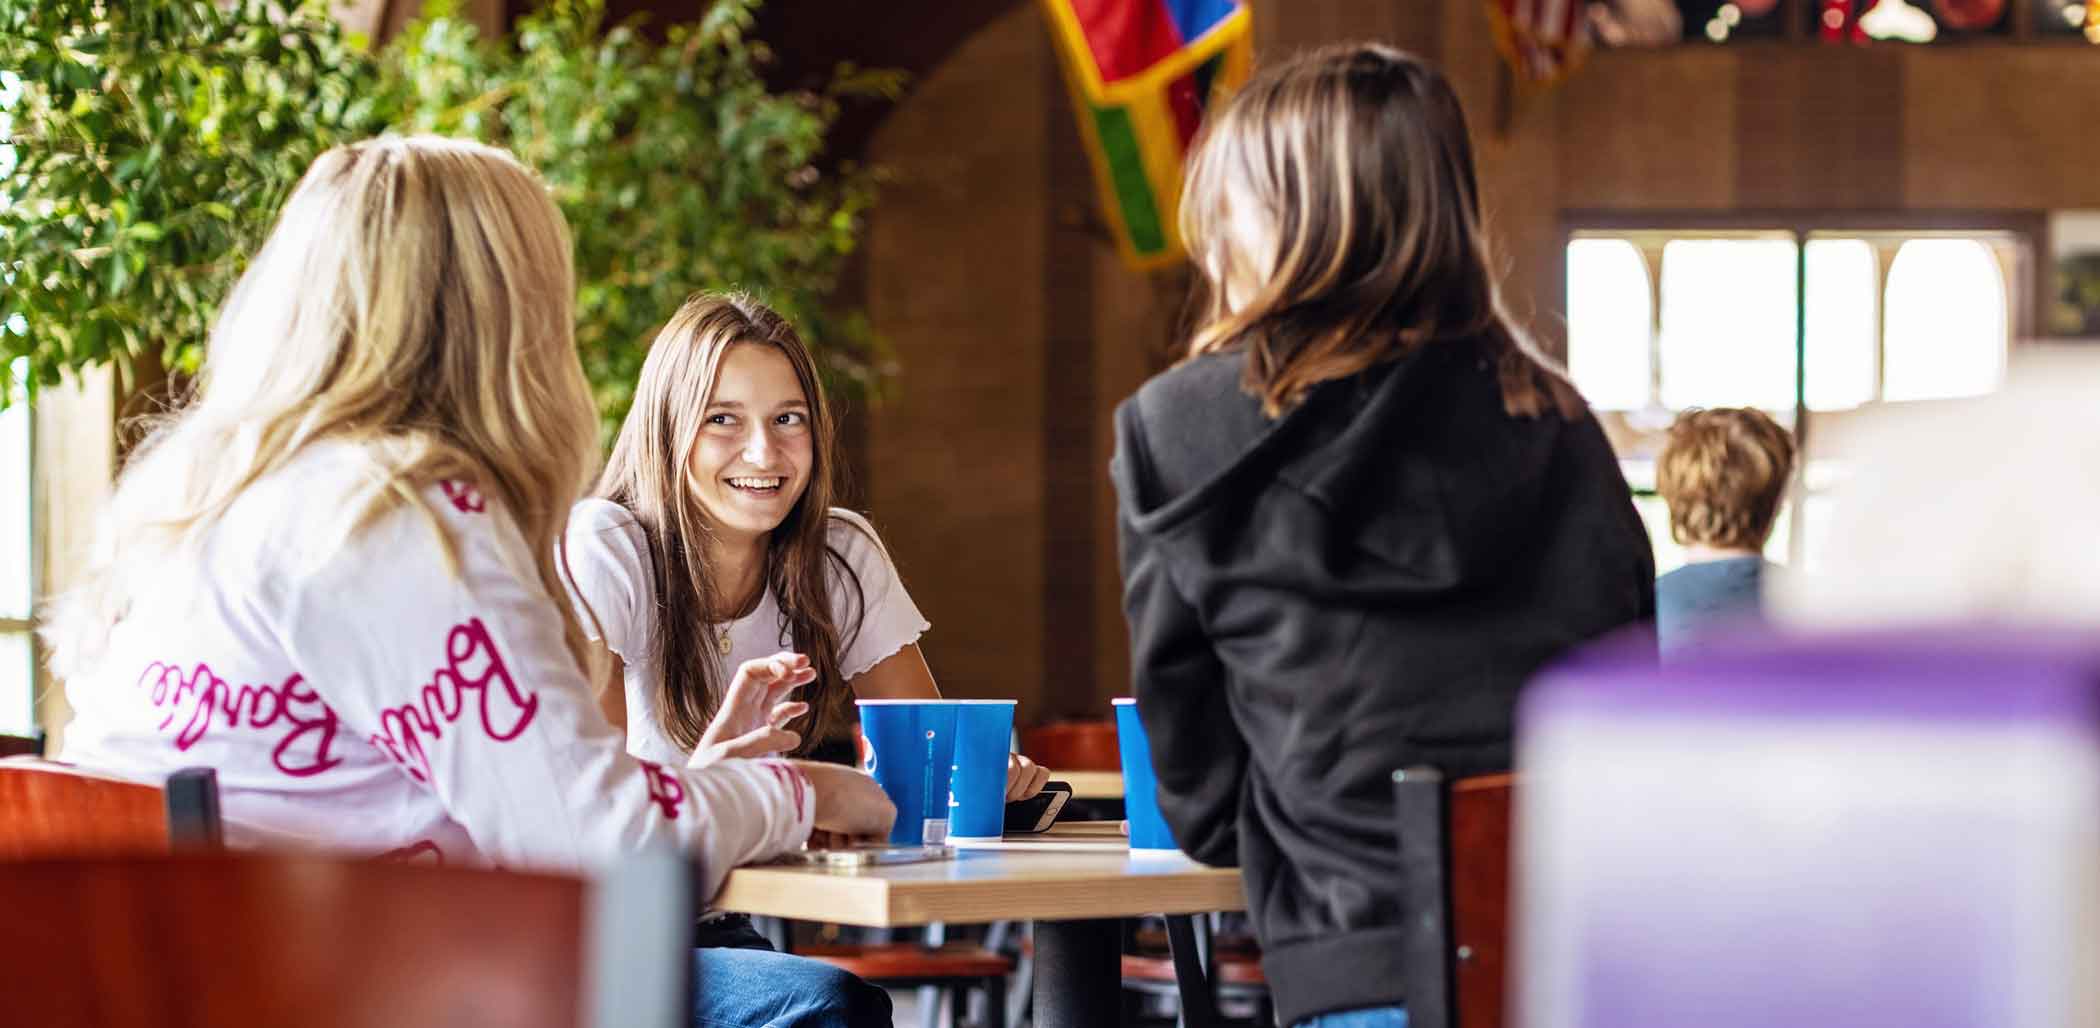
(1480, 888)
(21, 745)
(1455, 878)
(226, 939)
(49, 809)
(1073, 746)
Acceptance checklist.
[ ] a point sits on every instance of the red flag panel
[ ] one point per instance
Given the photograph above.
(1126, 36)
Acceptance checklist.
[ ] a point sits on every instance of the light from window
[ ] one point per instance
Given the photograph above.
(1818, 512)
(1728, 323)
(1610, 316)
(1842, 274)
(14, 513)
(1777, 546)
(1655, 517)
(14, 508)
(1947, 326)
(17, 678)
(17, 666)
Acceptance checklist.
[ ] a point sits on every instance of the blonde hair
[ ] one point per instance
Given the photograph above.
(415, 299)
(1336, 191)
(647, 475)
(1722, 473)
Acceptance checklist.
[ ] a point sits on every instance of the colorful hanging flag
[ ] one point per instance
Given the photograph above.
(1142, 72)
(1543, 40)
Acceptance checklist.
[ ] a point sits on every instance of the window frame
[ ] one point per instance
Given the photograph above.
(2027, 300)
(2027, 296)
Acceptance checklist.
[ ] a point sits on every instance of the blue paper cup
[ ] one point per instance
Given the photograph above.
(1148, 828)
(984, 731)
(911, 751)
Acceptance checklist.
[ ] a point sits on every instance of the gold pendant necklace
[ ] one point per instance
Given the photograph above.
(722, 631)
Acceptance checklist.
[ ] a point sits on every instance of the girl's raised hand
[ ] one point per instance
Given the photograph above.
(752, 720)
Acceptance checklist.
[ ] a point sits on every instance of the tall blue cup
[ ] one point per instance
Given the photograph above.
(1148, 827)
(984, 731)
(911, 752)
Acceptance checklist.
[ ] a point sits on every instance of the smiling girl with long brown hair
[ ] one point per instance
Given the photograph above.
(712, 542)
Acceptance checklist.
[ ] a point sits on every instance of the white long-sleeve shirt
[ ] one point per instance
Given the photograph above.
(368, 699)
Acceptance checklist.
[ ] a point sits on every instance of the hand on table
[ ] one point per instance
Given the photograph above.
(1024, 777)
(849, 803)
(752, 721)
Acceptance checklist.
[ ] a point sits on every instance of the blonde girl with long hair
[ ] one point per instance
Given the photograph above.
(712, 541)
(332, 576)
(1357, 516)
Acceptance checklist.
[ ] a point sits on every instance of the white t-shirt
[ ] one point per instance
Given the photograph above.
(362, 697)
(608, 558)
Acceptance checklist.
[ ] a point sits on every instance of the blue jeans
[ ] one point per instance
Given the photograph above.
(1369, 1017)
(742, 983)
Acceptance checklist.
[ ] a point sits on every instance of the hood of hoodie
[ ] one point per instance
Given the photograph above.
(1406, 479)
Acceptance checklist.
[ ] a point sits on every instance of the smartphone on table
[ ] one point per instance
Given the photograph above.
(1038, 812)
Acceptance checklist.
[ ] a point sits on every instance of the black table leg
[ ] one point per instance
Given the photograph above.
(1078, 974)
(1191, 949)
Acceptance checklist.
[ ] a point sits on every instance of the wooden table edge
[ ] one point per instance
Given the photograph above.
(875, 902)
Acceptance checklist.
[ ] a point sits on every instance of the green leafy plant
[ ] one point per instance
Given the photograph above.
(677, 168)
(152, 143)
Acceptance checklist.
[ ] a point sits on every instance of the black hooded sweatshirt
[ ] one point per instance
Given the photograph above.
(1318, 600)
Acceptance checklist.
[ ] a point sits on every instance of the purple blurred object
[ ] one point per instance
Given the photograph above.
(1895, 829)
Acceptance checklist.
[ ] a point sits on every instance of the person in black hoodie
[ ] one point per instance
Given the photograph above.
(1356, 518)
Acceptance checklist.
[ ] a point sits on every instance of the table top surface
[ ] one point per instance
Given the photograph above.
(1075, 872)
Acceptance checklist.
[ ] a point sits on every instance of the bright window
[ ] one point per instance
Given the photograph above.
(1659, 321)
(1843, 304)
(1728, 323)
(17, 538)
(17, 564)
(1610, 316)
(1947, 328)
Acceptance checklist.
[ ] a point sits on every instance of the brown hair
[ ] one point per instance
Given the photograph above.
(646, 475)
(1337, 191)
(1723, 472)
